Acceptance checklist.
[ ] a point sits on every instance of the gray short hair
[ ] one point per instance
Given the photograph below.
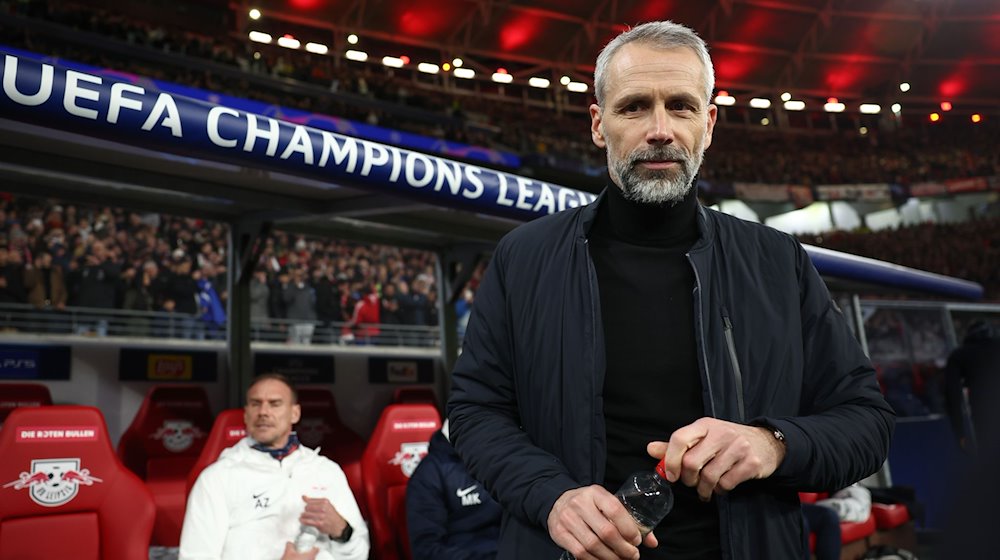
(662, 35)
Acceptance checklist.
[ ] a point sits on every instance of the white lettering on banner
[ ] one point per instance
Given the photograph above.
(300, 143)
(173, 119)
(370, 159)
(73, 92)
(119, 101)
(421, 425)
(448, 171)
(397, 164)
(523, 192)
(502, 199)
(10, 84)
(411, 172)
(546, 200)
(472, 175)
(253, 133)
(236, 433)
(342, 148)
(213, 126)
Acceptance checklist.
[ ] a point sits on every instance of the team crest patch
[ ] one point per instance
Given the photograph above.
(53, 482)
(177, 435)
(409, 456)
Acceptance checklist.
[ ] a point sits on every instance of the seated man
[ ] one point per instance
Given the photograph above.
(253, 501)
(449, 514)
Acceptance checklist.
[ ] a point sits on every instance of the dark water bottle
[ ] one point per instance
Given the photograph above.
(647, 496)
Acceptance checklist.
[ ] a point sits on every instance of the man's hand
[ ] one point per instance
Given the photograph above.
(321, 514)
(292, 554)
(716, 456)
(591, 523)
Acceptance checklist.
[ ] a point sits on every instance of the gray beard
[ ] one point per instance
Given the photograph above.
(658, 187)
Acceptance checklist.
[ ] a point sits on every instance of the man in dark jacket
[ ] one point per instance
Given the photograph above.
(645, 326)
(975, 365)
(449, 515)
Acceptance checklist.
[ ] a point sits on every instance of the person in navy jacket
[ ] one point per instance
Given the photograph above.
(449, 514)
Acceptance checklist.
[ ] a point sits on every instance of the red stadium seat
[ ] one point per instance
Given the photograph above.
(63, 491)
(893, 526)
(394, 450)
(320, 426)
(424, 395)
(890, 516)
(228, 429)
(16, 395)
(161, 445)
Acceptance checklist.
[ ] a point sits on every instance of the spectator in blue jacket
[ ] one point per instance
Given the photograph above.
(449, 514)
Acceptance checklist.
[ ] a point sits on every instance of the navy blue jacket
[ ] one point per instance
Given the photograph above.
(449, 515)
(526, 406)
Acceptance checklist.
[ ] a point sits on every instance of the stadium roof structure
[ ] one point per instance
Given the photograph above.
(855, 50)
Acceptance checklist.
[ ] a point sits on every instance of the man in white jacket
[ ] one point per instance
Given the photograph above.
(253, 502)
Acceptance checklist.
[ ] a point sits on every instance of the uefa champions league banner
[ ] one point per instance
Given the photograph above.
(51, 95)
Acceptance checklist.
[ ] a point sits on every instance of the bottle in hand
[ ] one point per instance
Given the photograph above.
(647, 497)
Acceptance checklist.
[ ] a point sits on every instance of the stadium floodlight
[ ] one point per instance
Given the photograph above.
(288, 42)
(765, 121)
(428, 68)
(760, 103)
(465, 73)
(392, 61)
(723, 98)
(977, 118)
(357, 56)
(896, 108)
(870, 108)
(904, 87)
(935, 117)
(863, 130)
(352, 39)
(578, 87)
(946, 106)
(457, 62)
(255, 13)
(565, 80)
(317, 48)
(794, 105)
(260, 37)
(538, 82)
(786, 96)
(833, 106)
(502, 77)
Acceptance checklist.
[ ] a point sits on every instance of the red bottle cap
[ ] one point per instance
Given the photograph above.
(661, 469)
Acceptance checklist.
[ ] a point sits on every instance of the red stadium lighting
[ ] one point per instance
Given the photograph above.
(946, 105)
(501, 70)
(977, 118)
(935, 117)
(831, 100)
(405, 59)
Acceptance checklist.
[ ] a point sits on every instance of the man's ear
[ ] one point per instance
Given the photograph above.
(595, 126)
(296, 413)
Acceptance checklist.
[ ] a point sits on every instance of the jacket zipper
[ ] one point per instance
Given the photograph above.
(700, 326)
(594, 302)
(728, 329)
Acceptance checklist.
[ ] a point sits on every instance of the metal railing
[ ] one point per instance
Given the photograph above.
(124, 323)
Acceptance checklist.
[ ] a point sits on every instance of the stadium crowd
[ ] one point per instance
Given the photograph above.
(404, 100)
(56, 256)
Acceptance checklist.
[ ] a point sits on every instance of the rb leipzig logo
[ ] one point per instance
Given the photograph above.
(53, 482)
(409, 456)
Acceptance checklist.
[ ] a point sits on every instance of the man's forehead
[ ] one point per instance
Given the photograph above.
(640, 65)
(269, 390)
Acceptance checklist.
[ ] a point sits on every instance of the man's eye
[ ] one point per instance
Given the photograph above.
(631, 108)
(680, 106)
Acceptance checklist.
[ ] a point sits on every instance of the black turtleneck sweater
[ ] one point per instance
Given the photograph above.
(652, 385)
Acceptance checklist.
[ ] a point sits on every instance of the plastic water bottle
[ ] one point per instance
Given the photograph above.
(306, 539)
(647, 497)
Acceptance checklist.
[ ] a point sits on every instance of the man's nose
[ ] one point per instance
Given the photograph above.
(660, 128)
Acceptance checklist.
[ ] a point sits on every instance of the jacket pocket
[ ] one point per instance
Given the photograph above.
(737, 373)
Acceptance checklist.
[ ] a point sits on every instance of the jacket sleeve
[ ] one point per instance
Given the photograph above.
(842, 432)
(206, 519)
(339, 494)
(483, 411)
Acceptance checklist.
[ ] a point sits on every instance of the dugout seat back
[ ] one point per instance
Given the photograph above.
(406, 395)
(228, 429)
(320, 426)
(161, 445)
(395, 448)
(17, 395)
(63, 491)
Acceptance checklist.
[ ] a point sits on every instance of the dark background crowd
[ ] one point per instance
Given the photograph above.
(548, 129)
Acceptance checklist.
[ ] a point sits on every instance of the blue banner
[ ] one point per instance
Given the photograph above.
(39, 362)
(132, 111)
